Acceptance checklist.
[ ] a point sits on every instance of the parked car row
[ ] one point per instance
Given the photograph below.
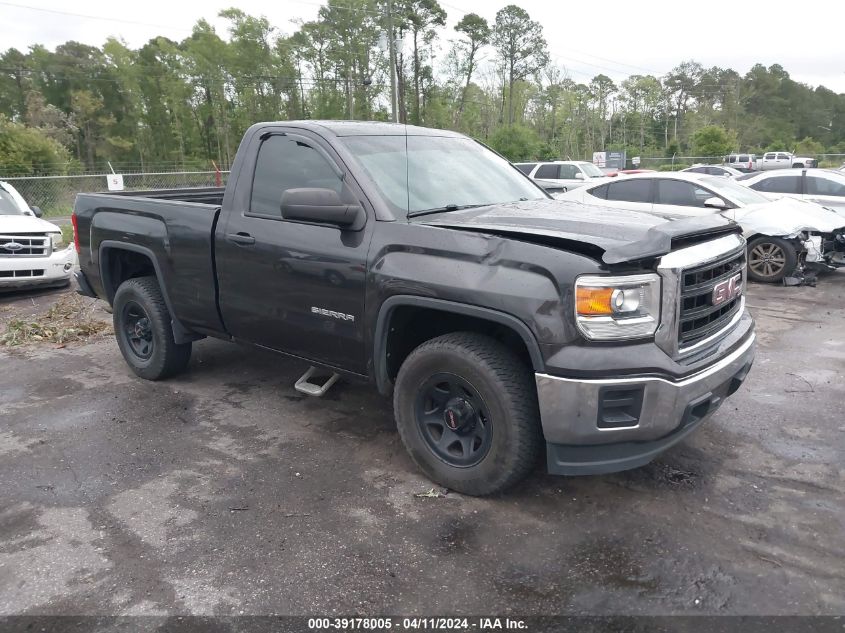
(783, 234)
(32, 251)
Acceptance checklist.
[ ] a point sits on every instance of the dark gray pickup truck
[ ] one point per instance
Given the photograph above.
(501, 321)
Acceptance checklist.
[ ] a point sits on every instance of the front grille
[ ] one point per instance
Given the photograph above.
(20, 274)
(25, 245)
(698, 318)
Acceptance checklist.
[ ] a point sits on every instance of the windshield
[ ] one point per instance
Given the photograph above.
(734, 192)
(8, 204)
(592, 171)
(435, 172)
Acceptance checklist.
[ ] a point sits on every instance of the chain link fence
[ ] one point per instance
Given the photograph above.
(55, 194)
(661, 163)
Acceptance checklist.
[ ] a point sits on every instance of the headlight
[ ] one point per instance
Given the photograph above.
(616, 308)
(58, 241)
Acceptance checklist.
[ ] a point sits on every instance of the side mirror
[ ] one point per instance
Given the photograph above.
(37, 211)
(580, 176)
(715, 203)
(321, 205)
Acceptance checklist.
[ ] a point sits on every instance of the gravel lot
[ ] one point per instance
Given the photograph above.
(225, 492)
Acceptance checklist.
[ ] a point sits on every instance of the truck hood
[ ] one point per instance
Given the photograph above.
(26, 224)
(620, 235)
(786, 217)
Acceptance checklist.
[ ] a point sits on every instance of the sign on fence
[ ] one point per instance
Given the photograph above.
(115, 182)
(609, 160)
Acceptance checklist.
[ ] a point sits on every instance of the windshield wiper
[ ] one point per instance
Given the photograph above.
(444, 209)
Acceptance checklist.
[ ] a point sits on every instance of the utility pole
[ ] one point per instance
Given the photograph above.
(394, 104)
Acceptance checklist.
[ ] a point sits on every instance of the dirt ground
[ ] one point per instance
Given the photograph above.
(224, 491)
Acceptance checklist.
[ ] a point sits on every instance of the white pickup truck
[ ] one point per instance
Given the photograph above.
(784, 160)
(32, 251)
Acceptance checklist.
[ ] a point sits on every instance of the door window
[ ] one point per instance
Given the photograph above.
(286, 163)
(783, 157)
(548, 171)
(525, 168)
(568, 171)
(779, 184)
(818, 186)
(638, 190)
(769, 156)
(600, 192)
(681, 194)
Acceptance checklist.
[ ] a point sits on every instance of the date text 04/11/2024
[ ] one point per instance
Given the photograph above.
(413, 624)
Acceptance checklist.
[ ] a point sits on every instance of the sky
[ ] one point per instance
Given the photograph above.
(614, 37)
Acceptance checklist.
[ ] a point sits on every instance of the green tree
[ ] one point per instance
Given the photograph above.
(713, 140)
(521, 49)
(515, 142)
(808, 147)
(477, 33)
(26, 151)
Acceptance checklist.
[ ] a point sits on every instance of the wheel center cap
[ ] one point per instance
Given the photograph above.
(459, 415)
(141, 328)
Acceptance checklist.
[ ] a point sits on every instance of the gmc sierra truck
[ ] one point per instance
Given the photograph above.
(502, 322)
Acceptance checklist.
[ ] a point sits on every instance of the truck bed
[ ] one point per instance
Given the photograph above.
(174, 228)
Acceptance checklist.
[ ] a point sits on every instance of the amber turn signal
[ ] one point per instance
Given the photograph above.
(593, 301)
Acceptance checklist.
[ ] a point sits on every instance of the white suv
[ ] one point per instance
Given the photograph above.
(32, 252)
(561, 175)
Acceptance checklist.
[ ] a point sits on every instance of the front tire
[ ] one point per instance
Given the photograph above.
(466, 410)
(142, 327)
(770, 259)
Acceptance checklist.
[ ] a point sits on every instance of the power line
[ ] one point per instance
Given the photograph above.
(93, 17)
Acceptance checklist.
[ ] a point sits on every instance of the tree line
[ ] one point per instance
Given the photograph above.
(186, 103)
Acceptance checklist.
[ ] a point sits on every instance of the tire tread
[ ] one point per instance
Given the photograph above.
(519, 393)
(174, 356)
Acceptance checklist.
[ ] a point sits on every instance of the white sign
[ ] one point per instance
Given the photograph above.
(115, 182)
(600, 159)
(635, 161)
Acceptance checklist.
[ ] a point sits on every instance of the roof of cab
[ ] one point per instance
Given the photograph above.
(367, 128)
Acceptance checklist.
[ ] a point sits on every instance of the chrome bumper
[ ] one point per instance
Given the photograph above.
(586, 435)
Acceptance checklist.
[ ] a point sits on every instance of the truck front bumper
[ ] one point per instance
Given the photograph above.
(29, 272)
(595, 426)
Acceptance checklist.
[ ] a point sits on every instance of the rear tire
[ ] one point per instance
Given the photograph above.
(770, 259)
(466, 410)
(142, 327)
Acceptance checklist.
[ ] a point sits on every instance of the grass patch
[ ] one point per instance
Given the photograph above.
(68, 320)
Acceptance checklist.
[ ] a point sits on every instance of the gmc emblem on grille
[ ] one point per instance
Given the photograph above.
(727, 290)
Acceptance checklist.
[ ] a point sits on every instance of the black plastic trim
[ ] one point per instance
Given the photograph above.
(84, 287)
(181, 334)
(382, 379)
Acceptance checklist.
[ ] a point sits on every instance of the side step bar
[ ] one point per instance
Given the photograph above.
(303, 385)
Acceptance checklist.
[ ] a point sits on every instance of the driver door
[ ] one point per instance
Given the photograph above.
(290, 285)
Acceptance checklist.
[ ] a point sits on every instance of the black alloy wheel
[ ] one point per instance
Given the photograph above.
(138, 330)
(453, 420)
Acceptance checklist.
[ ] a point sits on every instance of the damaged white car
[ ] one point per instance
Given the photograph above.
(784, 236)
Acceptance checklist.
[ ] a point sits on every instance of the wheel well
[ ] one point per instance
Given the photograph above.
(410, 326)
(120, 265)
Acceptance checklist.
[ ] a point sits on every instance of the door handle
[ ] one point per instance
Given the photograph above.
(241, 238)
